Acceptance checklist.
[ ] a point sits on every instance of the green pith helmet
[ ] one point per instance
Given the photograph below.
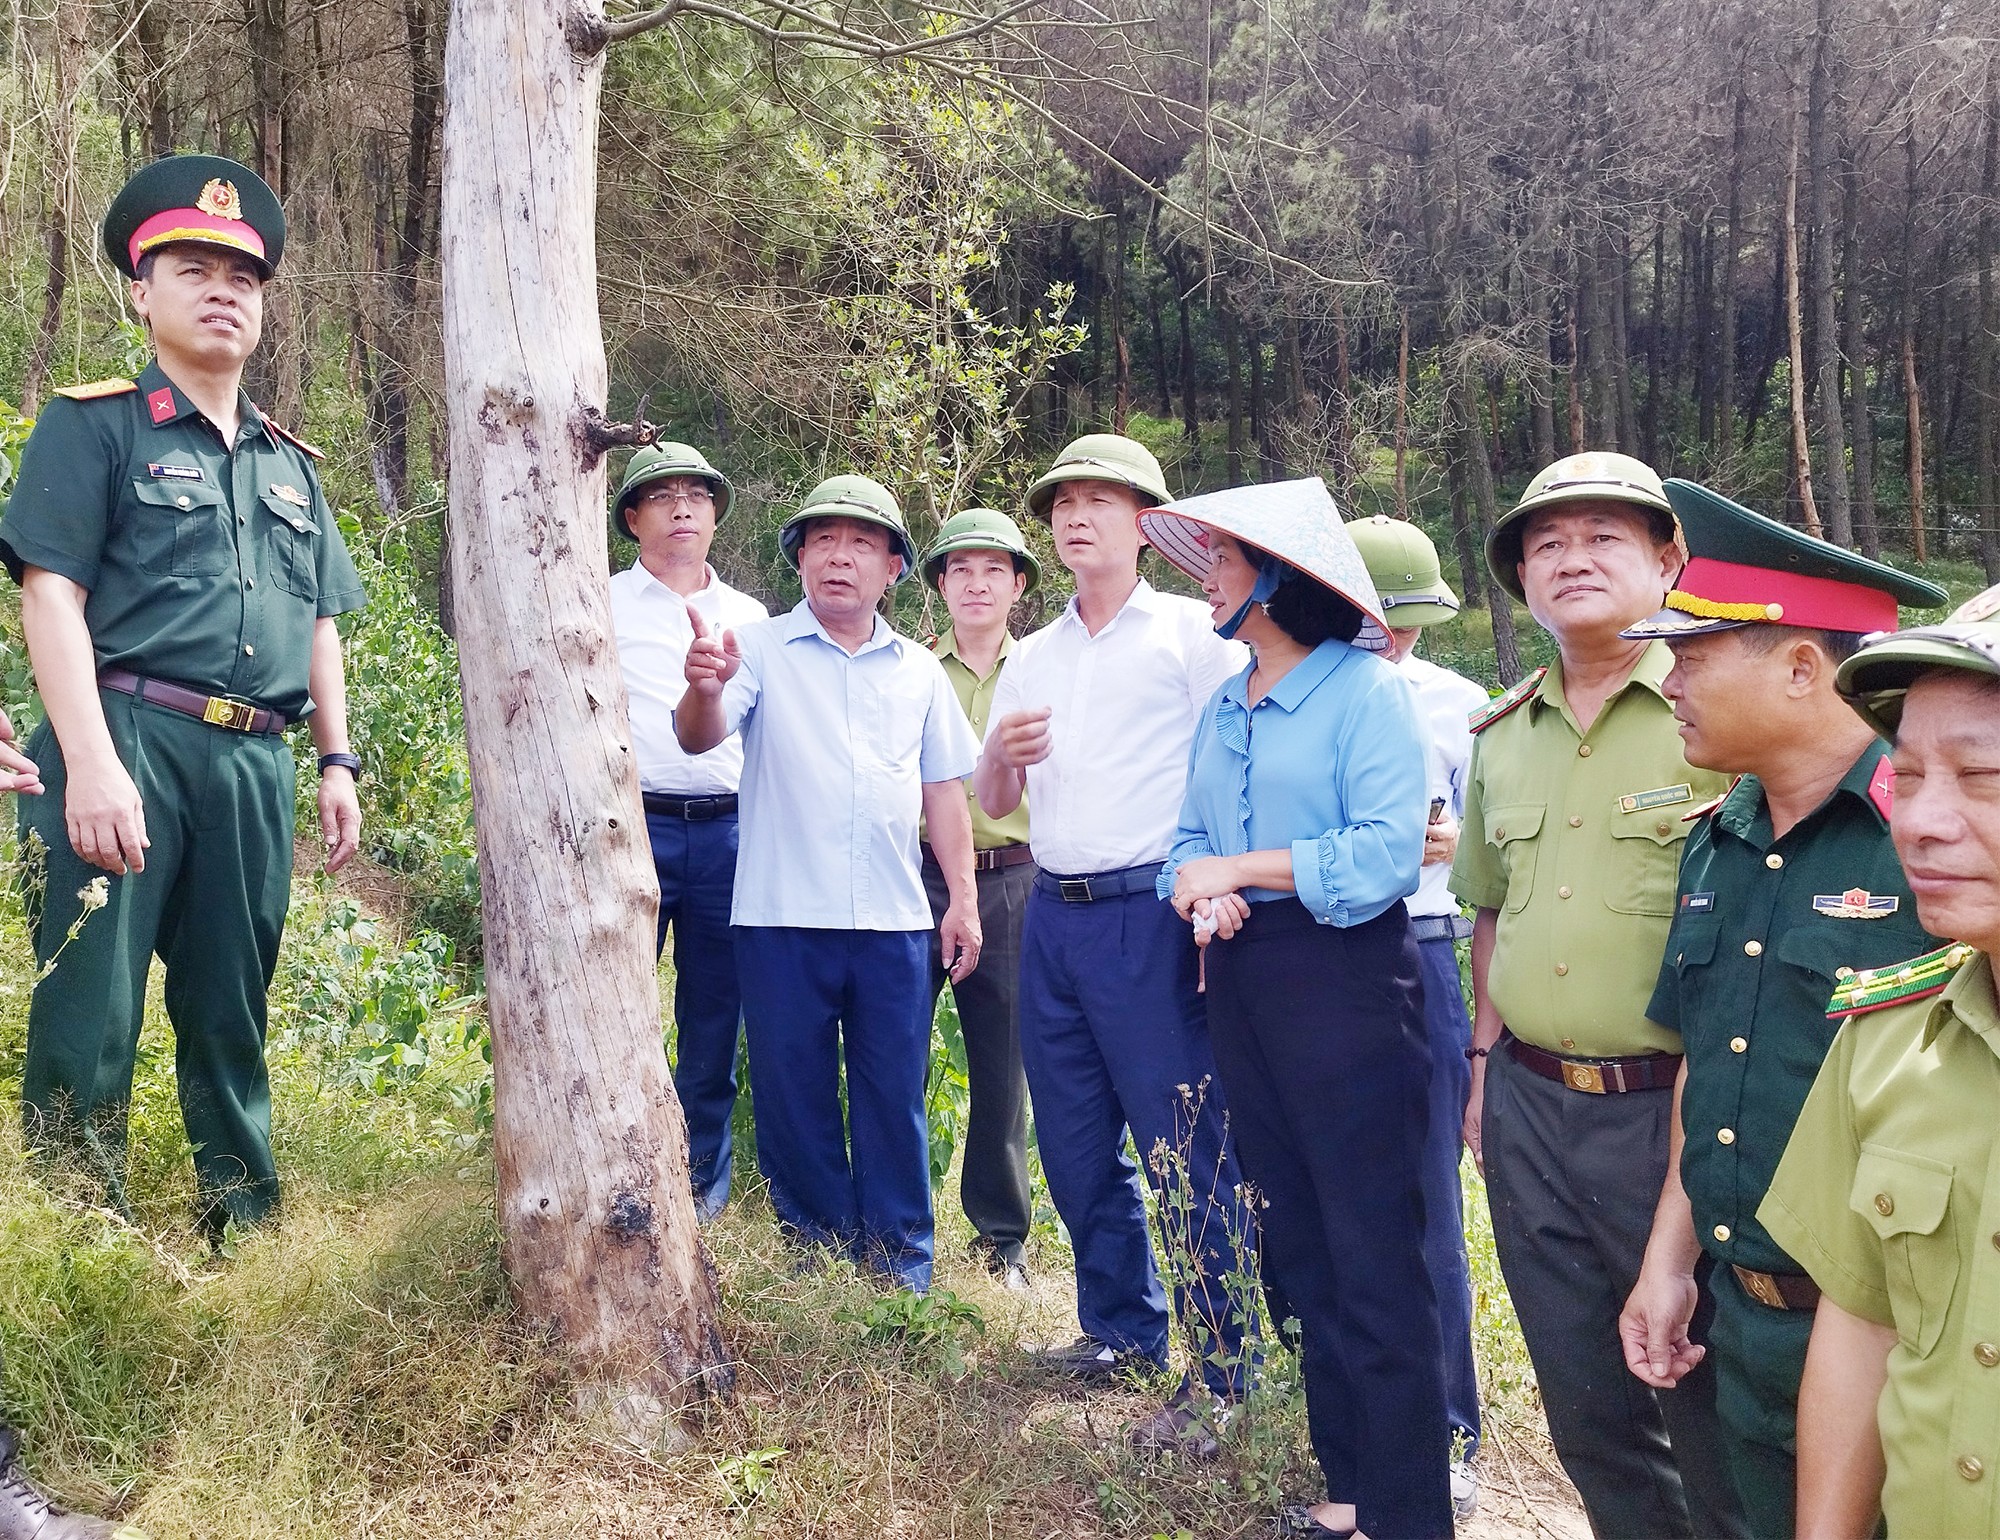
(849, 497)
(656, 462)
(1596, 474)
(1404, 567)
(981, 529)
(1876, 678)
(1101, 457)
(200, 199)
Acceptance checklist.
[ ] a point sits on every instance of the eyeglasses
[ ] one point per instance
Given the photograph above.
(673, 497)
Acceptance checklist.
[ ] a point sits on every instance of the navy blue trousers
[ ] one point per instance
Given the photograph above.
(813, 1001)
(1113, 1037)
(1449, 1031)
(1319, 1035)
(696, 865)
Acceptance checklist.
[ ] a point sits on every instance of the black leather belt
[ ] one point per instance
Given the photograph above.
(1600, 1077)
(1781, 1291)
(238, 716)
(1440, 927)
(1090, 887)
(990, 860)
(693, 809)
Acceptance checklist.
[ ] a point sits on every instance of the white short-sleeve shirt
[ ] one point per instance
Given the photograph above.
(837, 748)
(1124, 704)
(1445, 701)
(650, 623)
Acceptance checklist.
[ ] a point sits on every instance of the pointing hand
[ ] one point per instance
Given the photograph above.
(711, 661)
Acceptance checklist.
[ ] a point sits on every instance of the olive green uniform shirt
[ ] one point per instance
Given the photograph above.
(206, 563)
(1889, 1193)
(975, 698)
(1574, 838)
(1762, 931)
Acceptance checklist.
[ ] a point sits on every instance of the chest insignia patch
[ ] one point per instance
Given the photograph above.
(161, 404)
(1697, 903)
(1660, 796)
(292, 495)
(1856, 904)
(161, 472)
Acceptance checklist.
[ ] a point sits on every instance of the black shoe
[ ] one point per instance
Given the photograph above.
(1295, 1522)
(1088, 1359)
(1190, 1425)
(27, 1514)
(1014, 1279)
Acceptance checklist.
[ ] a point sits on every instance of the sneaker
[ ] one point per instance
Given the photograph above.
(1088, 1359)
(1464, 1489)
(26, 1513)
(1189, 1425)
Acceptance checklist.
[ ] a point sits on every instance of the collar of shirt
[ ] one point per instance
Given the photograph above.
(711, 585)
(1649, 673)
(946, 648)
(1144, 596)
(167, 403)
(1290, 692)
(1746, 815)
(800, 622)
(1968, 1000)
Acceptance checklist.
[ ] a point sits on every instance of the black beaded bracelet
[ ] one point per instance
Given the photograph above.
(1477, 1053)
(348, 762)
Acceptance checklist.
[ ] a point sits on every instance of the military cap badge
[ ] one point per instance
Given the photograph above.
(220, 199)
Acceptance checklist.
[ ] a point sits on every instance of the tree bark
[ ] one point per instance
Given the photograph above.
(1190, 387)
(71, 19)
(1655, 335)
(1732, 242)
(1854, 345)
(1232, 351)
(1478, 484)
(1574, 383)
(599, 1237)
(1826, 319)
(1402, 411)
(1913, 411)
(1121, 345)
(1801, 445)
(1983, 370)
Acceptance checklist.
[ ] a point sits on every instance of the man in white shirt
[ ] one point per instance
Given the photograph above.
(1093, 719)
(670, 503)
(851, 735)
(1407, 575)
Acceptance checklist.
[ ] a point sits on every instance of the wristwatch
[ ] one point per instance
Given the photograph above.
(349, 762)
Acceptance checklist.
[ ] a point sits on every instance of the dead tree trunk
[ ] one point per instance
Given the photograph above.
(1913, 410)
(1801, 444)
(1854, 345)
(599, 1237)
(1826, 320)
(1478, 487)
(1984, 413)
(1725, 377)
(72, 42)
(1232, 352)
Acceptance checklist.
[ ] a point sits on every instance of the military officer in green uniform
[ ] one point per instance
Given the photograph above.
(1569, 844)
(1889, 1192)
(180, 571)
(980, 565)
(1785, 884)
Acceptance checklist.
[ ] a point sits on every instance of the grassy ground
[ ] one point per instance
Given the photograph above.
(354, 1371)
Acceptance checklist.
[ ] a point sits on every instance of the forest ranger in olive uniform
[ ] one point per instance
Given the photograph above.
(1889, 1192)
(1570, 839)
(1785, 883)
(180, 572)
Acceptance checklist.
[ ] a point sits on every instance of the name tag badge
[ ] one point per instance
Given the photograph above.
(161, 472)
(1856, 904)
(1659, 796)
(1697, 903)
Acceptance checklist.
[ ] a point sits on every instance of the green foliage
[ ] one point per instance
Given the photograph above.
(748, 1476)
(935, 1327)
(947, 1091)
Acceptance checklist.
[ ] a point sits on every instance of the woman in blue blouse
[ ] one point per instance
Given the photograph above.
(1301, 835)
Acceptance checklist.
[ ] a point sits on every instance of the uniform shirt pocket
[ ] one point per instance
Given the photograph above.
(293, 542)
(1515, 831)
(1906, 1200)
(1646, 862)
(181, 529)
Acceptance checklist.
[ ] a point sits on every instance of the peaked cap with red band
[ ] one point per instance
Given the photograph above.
(204, 200)
(1744, 569)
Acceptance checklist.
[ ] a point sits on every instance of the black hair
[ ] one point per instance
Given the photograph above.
(1764, 638)
(1310, 613)
(143, 270)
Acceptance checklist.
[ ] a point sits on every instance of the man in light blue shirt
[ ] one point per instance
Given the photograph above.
(851, 735)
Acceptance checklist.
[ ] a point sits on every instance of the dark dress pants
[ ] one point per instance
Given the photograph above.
(1760, 1357)
(993, 1182)
(696, 865)
(1113, 1035)
(1449, 1031)
(1319, 1034)
(1573, 1180)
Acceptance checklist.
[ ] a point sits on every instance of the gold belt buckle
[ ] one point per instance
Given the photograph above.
(1761, 1287)
(1584, 1077)
(229, 713)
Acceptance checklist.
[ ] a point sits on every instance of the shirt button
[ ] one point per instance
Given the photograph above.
(1562, 968)
(1722, 1232)
(1987, 1354)
(1884, 1204)
(1739, 1045)
(1971, 1467)
(1663, 827)
(1774, 860)
(1725, 1136)
(1562, 892)
(1996, 1240)
(1499, 834)
(249, 651)
(1570, 1042)
(240, 519)
(183, 502)
(249, 582)
(1753, 949)
(1575, 822)
(1583, 751)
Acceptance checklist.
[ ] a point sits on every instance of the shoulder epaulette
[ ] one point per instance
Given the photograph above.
(1874, 988)
(290, 437)
(1495, 709)
(931, 641)
(1708, 807)
(96, 390)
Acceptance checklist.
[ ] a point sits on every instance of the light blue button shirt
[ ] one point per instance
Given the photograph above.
(836, 751)
(1330, 764)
